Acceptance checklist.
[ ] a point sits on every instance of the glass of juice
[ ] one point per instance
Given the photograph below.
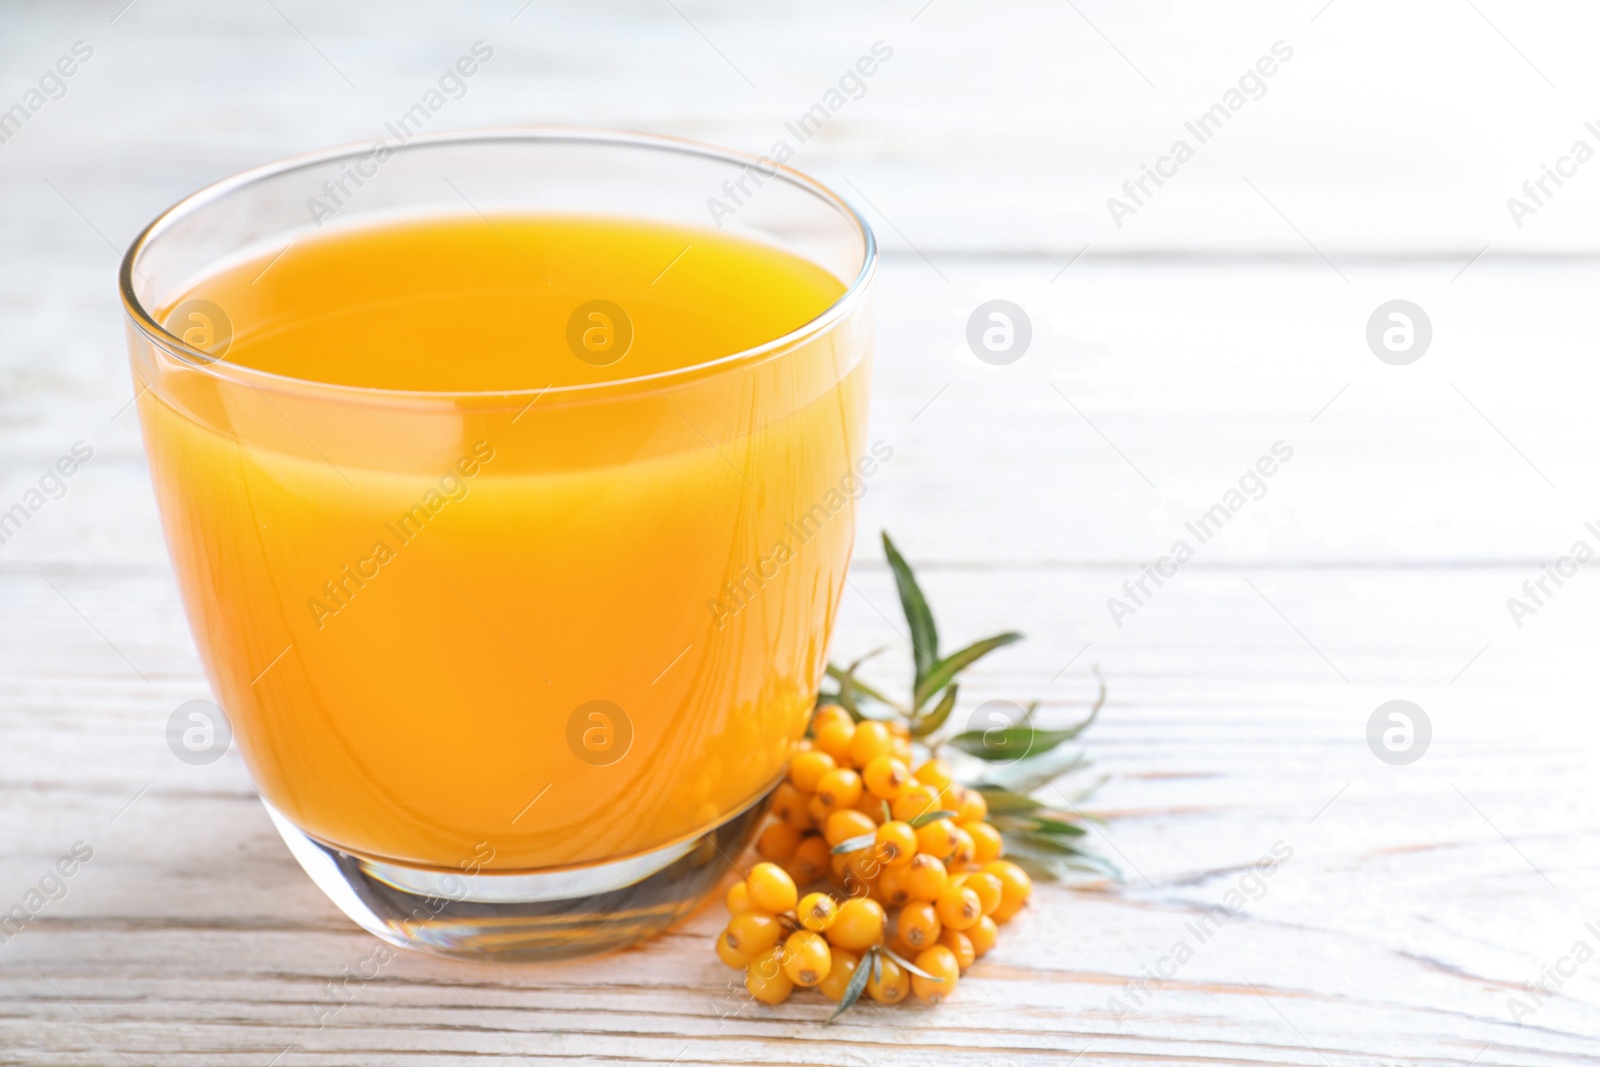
(509, 479)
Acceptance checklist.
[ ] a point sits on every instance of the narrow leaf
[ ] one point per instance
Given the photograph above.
(924, 635)
(1037, 771)
(944, 672)
(876, 952)
(852, 990)
(908, 965)
(855, 844)
(931, 816)
(927, 724)
(1002, 801)
(888, 814)
(1013, 742)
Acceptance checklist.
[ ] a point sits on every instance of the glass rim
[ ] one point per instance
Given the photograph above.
(201, 361)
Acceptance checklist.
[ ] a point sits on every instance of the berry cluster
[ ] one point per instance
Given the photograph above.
(918, 889)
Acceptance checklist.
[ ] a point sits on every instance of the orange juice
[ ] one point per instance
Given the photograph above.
(496, 537)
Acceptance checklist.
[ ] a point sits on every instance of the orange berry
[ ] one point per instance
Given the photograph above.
(898, 946)
(816, 911)
(838, 789)
(771, 888)
(790, 805)
(807, 769)
(926, 878)
(1007, 911)
(987, 844)
(834, 739)
(937, 839)
(940, 962)
(890, 983)
(902, 751)
(842, 966)
(937, 773)
(732, 957)
(919, 924)
(778, 842)
(860, 874)
(983, 935)
(885, 777)
(959, 943)
(965, 848)
(843, 825)
(829, 713)
(958, 907)
(738, 898)
(871, 740)
(896, 844)
(988, 888)
(915, 800)
(859, 924)
(810, 860)
(765, 979)
(892, 886)
(973, 807)
(805, 958)
(1015, 885)
(750, 933)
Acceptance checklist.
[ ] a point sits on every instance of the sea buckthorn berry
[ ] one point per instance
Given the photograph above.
(750, 933)
(771, 888)
(778, 842)
(732, 957)
(834, 739)
(842, 966)
(960, 944)
(792, 806)
(973, 807)
(810, 860)
(898, 946)
(987, 844)
(860, 875)
(885, 777)
(899, 728)
(859, 925)
(871, 740)
(916, 800)
(892, 886)
(919, 924)
(896, 844)
(816, 911)
(805, 958)
(937, 773)
(766, 980)
(840, 788)
(738, 898)
(871, 806)
(829, 713)
(807, 769)
(1007, 911)
(983, 935)
(937, 839)
(891, 984)
(958, 907)
(926, 878)
(988, 888)
(902, 750)
(965, 848)
(1014, 881)
(843, 825)
(940, 962)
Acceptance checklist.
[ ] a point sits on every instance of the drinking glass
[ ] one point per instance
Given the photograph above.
(514, 671)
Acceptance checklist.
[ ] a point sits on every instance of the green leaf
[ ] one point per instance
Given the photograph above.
(853, 989)
(1003, 801)
(944, 672)
(1055, 869)
(855, 844)
(931, 816)
(924, 635)
(924, 725)
(888, 814)
(908, 965)
(1018, 742)
(1037, 771)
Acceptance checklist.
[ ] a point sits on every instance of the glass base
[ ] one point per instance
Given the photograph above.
(524, 916)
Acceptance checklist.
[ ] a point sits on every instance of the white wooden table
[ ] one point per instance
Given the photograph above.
(1228, 316)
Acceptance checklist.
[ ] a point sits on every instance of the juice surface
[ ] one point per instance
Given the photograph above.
(554, 628)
